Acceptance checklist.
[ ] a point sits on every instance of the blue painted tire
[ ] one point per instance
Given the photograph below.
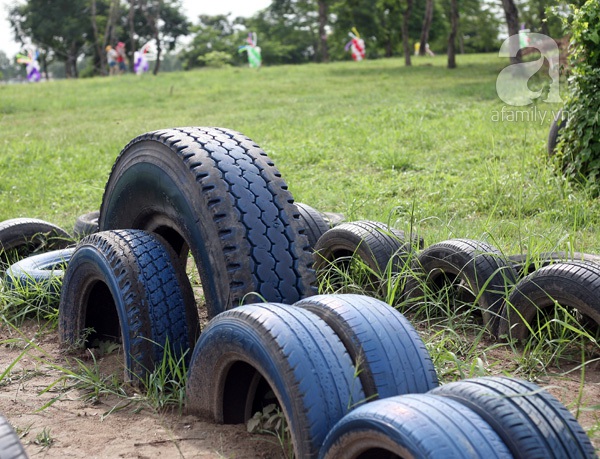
(127, 284)
(417, 426)
(531, 422)
(390, 355)
(215, 193)
(45, 271)
(10, 445)
(250, 351)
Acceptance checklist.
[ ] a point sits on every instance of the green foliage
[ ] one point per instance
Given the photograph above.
(579, 149)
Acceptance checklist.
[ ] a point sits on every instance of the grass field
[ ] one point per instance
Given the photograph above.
(425, 148)
(375, 140)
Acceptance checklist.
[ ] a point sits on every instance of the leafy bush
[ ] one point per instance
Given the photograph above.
(579, 150)
(216, 59)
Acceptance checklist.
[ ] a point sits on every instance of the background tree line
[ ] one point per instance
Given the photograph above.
(74, 33)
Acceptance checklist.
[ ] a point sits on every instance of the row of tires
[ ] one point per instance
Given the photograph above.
(512, 293)
(214, 194)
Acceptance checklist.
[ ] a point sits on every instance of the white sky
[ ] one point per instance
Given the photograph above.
(192, 8)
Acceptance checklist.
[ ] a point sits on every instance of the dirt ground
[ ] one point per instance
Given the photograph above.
(79, 429)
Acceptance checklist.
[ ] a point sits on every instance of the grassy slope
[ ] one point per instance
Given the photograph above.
(375, 140)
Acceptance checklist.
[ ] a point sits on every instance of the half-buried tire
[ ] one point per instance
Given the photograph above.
(531, 422)
(126, 285)
(44, 270)
(390, 356)
(255, 355)
(214, 192)
(417, 426)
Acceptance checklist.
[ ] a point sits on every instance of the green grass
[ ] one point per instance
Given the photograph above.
(375, 140)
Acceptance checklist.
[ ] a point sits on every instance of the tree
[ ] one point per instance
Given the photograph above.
(405, 25)
(58, 28)
(454, 16)
(211, 34)
(512, 21)
(426, 27)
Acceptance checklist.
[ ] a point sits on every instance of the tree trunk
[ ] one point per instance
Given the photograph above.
(512, 21)
(453, 33)
(109, 31)
(99, 48)
(405, 38)
(130, 17)
(426, 27)
(323, 20)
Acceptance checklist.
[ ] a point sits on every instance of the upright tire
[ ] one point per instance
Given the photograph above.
(525, 264)
(10, 445)
(572, 285)
(377, 245)
(127, 284)
(481, 268)
(419, 426)
(554, 132)
(86, 224)
(45, 270)
(22, 237)
(531, 422)
(314, 223)
(390, 356)
(217, 193)
(248, 352)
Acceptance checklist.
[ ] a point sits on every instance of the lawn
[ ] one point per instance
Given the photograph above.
(424, 146)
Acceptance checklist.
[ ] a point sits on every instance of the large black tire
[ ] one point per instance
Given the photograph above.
(572, 285)
(531, 422)
(248, 352)
(390, 356)
(554, 133)
(217, 193)
(86, 224)
(525, 264)
(479, 271)
(127, 284)
(22, 237)
(376, 244)
(45, 270)
(314, 223)
(10, 445)
(418, 426)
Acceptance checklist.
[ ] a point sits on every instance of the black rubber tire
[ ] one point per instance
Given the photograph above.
(86, 224)
(481, 267)
(44, 270)
(128, 284)
(10, 445)
(554, 133)
(572, 285)
(375, 243)
(314, 223)
(217, 193)
(252, 350)
(417, 426)
(22, 237)
(531, 422)
(333, 219)
(525, 264)
(389, 353)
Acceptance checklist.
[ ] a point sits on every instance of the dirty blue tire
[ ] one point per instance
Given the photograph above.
(10, 445)
(390, 355)
(417, 426)
(572, 285)
(215, 193)
(249, 352)
(86, 224)
(22, 237)
(45, 270)
(531, 422)
(476, 265)
(126, 285)
(314, 222)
